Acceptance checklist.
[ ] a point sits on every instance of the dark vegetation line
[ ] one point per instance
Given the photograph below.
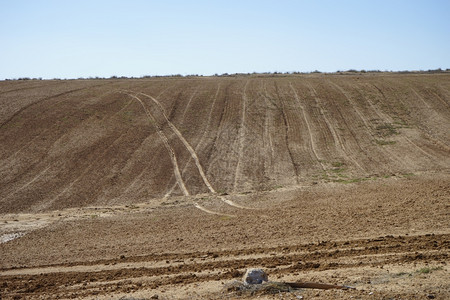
(339, 72)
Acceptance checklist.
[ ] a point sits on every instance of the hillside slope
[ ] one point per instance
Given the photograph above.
(78, 143)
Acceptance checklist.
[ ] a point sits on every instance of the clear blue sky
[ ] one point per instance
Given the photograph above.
(78, 38)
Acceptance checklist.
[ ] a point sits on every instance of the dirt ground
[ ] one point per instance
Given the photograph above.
(171, 188)
(388, 238)
(78, 143)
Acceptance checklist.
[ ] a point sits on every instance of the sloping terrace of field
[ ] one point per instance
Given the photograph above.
(78, 143)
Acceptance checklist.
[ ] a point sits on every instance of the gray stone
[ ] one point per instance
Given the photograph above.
(255, 276)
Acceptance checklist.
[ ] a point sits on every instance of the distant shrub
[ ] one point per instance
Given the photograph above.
(435, 71)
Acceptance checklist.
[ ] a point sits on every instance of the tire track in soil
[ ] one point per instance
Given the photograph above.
(39, 207)
(106, 277)
(26, 145)
(219, 130)
(165, 141)
(299, 137)
(436, 110)
(323, 138)
(197, 147)
(29, 167)
(136, 178)
(211, 212)
(267, 137)
(365, 122)
(174, 159)
(25, 171)
(196, 160)
(352, 133)
(28, 183)
(312, 143)
(45, 205)
(189, 102)
(336, 138)
(271, 104)
(368, 127)
(287, 128)
(46, 99)
(241, 137)
(224, 138)
(435, 113)
(408, 140)
(440, 99)
(184, 141)
(8, 160)
(387, 120)
(446, 91)
(195, 157)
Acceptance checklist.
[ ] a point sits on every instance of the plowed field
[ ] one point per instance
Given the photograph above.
(174, 186)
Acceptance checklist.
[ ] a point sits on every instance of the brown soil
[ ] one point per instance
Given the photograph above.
(173, 187)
